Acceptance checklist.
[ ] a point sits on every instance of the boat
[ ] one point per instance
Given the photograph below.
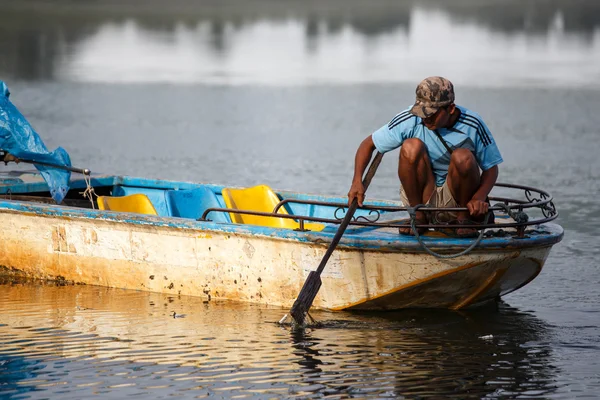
(253, 244)
(258, 245)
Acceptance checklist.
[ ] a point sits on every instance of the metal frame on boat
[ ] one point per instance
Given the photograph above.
(512, 207)
(373, 267)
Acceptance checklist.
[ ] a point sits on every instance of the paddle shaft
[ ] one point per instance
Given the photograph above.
(58, 166)
(313, 281)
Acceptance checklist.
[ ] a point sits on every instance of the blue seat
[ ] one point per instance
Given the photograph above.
(191, 203)
(156, 196)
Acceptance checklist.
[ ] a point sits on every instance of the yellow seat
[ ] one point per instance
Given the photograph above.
(134, 203)
(260, 198)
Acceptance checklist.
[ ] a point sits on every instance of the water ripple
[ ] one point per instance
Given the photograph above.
(82, 340)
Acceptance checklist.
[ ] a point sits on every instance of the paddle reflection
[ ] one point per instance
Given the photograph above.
(303, 343)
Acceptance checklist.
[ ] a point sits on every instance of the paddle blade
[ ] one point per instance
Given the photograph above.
(306, 297)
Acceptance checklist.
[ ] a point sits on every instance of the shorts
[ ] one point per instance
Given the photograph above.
(441, 197)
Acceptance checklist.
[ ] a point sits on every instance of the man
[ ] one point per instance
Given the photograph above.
(443, 149)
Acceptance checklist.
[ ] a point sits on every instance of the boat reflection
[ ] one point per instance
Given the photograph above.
(148, 341)
(439, 353)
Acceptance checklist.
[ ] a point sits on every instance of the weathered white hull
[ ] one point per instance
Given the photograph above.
(250, 267)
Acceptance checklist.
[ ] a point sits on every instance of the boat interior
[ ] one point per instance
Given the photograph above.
(203, 202)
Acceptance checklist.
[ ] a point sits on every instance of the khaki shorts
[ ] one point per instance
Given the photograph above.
(441, 197)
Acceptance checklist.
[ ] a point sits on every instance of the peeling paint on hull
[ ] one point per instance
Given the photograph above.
(242, 266)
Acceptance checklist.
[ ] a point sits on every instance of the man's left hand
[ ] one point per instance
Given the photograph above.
(477, 207)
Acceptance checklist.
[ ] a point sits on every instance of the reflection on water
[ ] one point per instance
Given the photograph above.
(88, 340)
(505, 43)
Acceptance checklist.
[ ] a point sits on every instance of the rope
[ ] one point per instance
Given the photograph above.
(412, 211)
(89, 192)
(519, 216)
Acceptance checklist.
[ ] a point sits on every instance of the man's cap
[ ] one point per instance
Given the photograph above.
(433, 93)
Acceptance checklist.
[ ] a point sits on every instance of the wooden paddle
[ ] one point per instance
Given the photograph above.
(313, 281)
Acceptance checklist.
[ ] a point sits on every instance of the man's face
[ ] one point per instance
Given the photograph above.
(439, 119)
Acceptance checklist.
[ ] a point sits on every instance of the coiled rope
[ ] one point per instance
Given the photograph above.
(519, 216)
(412, 211)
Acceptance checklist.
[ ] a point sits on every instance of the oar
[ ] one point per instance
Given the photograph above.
(83, 171)
(313, 281)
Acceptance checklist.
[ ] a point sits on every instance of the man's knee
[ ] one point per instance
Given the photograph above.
(412, 150)
(463, 161)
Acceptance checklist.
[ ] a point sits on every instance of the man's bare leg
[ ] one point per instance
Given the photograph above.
(416, 176)
(463, 180)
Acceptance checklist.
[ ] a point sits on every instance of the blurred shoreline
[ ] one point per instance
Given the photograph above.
(291, 42)
(503, 15)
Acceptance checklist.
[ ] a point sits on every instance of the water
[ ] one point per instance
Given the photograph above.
(83, 341)
(282, 93)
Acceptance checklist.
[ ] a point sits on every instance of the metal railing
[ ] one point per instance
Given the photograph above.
(512, 207)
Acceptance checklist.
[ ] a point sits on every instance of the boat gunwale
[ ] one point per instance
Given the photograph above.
(353, 240)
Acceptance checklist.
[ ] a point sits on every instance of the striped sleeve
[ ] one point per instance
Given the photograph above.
(392, 135)
(486, 151)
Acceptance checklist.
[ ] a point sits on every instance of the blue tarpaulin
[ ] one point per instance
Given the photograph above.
(19, 139)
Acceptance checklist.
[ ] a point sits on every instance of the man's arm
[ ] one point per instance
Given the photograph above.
(477, 205)
(361, 160)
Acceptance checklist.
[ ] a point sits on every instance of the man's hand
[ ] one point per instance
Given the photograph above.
(357, 190)
(361, 161)
(477, 207)
(8, 158)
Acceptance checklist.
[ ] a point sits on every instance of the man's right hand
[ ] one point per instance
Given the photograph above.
(361, 160)
(357, 190)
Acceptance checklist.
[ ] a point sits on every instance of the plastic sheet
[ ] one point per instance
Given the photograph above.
(19, 139)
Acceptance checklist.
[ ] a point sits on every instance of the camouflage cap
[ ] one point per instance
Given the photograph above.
(433, 93)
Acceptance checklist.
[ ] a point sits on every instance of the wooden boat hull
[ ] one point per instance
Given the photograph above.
(193, 258)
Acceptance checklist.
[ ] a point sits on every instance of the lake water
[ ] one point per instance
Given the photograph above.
(282, 93)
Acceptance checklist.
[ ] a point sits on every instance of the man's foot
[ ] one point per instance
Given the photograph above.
(408, 229)
(467, 232)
